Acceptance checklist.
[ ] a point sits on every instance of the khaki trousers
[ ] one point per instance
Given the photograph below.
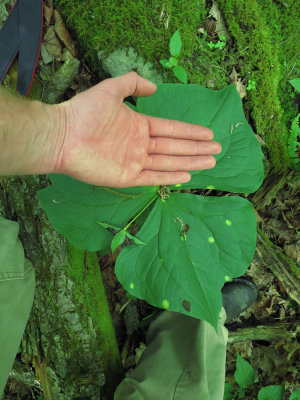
(184, 358)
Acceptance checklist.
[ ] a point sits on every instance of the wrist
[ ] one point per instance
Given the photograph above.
(56, 133)
(31, 136)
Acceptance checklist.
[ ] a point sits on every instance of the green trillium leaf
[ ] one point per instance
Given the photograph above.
(239, 167)
(74, 207)
(193, 245)
(118, 240)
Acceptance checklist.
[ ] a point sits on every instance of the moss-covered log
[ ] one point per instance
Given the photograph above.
(276, 331)
(69, 338)
(283, 267)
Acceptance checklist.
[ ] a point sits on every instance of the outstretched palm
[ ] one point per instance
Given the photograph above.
(108, 144)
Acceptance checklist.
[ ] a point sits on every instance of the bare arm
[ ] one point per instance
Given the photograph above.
(29, 135)
(96, 138)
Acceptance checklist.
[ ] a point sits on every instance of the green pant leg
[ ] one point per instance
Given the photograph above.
(17, 284)
(184, 360)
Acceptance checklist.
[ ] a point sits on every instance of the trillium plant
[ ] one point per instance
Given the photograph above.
(178, 248)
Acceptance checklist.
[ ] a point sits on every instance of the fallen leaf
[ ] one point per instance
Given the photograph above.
(220, 26)
(52, 44)
(293, 251)
(238, 83)
(63, 34)
(48, 11)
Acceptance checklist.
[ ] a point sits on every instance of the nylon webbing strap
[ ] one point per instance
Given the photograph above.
(22, 32)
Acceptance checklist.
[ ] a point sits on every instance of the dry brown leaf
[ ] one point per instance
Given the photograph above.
(52, 44)
(220, 25)
(48, 11)
(238, 83)
(258, 217)
(63, 34)
(293, 251)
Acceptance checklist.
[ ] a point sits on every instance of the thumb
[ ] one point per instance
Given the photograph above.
(132, 84)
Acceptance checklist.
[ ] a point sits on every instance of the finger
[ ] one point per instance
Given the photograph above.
(131, 84)
(179, 163)
(158, 145)
(155, 178)
(178, 129)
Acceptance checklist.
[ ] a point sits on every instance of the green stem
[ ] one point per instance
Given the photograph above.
(146, 206)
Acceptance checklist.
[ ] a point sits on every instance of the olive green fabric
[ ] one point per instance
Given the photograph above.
(17, 284)
(184, 360)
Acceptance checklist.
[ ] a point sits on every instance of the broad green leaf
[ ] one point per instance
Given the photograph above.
(166, 63)
(74, 207)
(118, 240)
(296, 84)
(228, 392)
(180, 73)
(273, 392)
(175, 44)
(244, 373)
(239, 167)
(295, 395)
(193, 244)
(180, 268)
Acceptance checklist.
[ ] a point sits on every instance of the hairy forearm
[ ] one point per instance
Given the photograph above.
(30, 139)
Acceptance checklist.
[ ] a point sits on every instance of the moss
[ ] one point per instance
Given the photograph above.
(90, 295)
(283, 20)
(260, 61)
(105, 25)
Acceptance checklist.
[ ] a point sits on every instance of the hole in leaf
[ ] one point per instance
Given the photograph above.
(186, 305)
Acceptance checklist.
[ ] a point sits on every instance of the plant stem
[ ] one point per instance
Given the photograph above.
(146, 206)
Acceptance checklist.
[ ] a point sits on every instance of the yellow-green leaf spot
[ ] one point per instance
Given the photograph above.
(210, 187)
(165, 303)
(178, 185)
(228, 222)
(227, 278)
(211, 239)
(163, 200)
(161, 260)
(131, 286)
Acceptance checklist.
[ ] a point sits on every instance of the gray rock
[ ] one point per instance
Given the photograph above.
(126, 60)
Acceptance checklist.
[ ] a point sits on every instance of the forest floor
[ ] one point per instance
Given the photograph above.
(274, 356)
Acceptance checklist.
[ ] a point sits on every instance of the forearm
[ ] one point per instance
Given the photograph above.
(30, 139)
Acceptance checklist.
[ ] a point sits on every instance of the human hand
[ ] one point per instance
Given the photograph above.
(108, 144)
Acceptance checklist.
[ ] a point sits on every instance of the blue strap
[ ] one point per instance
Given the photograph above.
(22, 32)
